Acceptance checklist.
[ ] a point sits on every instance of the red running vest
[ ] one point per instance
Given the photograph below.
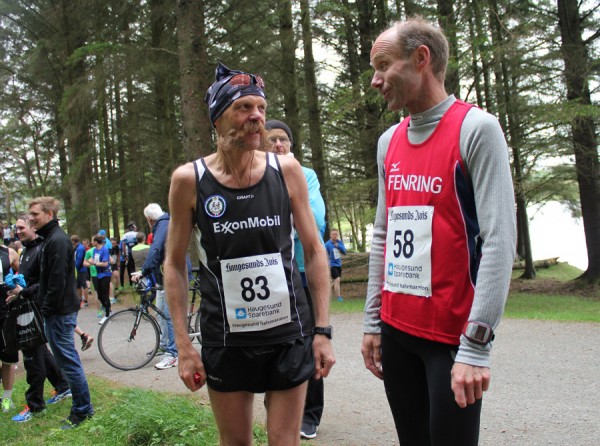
(432, 249)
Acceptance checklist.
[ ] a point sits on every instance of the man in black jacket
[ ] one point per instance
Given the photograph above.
(38, 361)
(60, 303)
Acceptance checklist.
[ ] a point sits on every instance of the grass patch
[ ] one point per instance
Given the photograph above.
(124, 416)
(552, 308)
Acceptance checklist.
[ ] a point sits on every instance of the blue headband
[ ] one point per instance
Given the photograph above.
(229, 86)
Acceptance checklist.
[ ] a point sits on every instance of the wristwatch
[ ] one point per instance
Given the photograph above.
(478, 333)
(325, 331)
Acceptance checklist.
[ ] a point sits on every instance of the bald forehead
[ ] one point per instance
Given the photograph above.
(385, 45)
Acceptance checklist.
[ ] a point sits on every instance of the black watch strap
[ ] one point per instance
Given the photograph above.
(325, 331)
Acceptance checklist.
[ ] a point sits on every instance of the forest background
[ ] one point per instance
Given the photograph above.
(101, 99)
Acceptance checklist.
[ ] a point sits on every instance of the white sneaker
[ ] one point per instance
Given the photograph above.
(167, 362)
(103, 320)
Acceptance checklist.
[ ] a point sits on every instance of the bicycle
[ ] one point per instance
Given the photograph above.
(194, 330)
(129, 339)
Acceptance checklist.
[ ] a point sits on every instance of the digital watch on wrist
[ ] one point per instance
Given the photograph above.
(478, 333)
(325, 331)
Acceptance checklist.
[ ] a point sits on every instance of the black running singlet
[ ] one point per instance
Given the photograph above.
(251, 288)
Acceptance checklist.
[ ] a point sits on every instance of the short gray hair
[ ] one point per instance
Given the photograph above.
(153, 211)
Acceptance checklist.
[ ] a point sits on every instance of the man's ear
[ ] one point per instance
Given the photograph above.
(422, 57)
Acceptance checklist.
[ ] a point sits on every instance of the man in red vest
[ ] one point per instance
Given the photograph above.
(443, 243)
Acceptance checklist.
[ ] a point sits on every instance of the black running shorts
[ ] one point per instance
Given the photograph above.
(258, 369)
(336, 271)
(82, 278)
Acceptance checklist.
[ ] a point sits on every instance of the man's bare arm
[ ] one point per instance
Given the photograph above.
(182, 197)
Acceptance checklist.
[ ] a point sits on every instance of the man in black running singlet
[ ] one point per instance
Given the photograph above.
(258, 333)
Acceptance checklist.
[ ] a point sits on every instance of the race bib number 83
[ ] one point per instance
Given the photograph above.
(256, 292)
(408, 250)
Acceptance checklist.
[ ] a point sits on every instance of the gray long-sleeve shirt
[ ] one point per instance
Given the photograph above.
(485, 154)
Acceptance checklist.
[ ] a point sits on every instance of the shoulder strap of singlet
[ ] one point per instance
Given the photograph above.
(199, 169)
(273, 161)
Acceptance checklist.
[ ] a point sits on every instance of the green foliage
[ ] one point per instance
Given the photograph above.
(124, 416)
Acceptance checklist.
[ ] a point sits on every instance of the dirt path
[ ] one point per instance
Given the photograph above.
(545, 386)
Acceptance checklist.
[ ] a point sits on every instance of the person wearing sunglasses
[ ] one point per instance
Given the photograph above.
(258, 333)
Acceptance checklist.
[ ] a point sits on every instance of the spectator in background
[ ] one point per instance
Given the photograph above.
(115, 255)
(159, 222)
(335, 248)
(82, 270)
(140, 251)
(94, 278)
(101, 260)
(127, 243)
(281, 142)
(60, 303)
(38, 361)
(9, 262)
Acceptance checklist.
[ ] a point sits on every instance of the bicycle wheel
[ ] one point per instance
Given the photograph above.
(124, 346)
(197, 327)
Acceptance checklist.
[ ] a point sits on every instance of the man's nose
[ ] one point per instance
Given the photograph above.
(376, 81)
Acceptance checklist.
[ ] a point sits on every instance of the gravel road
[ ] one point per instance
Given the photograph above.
(545, 386)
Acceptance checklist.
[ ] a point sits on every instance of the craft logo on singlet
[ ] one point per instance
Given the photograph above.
(214, 206)
(230, 227)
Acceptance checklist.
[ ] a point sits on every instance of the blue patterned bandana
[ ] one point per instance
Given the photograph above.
(229, 86)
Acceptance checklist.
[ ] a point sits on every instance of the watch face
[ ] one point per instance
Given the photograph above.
(478, 333)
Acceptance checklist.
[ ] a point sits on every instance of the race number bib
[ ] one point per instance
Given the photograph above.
(408, 250)
(256, 292)
(336, 254)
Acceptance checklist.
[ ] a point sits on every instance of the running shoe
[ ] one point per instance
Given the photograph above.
(113, 300)
(103, 320)
(7, 404)
(167, 362)
(59, 397)
(75, 420)
(26, 415)
(340, 299)
(86, 342)
(308, 431)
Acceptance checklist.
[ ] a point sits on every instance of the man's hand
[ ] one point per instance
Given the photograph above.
(135, 277)
(191, 369)
(371, 351)
(13, 294)
(469, 382)
(324, 358)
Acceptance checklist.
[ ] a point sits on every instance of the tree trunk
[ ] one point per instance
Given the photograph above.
(195, 78)
(585, 146)
(312, 96)
(447, 21)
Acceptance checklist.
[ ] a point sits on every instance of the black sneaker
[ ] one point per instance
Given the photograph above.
(75, 420)
(308, 431)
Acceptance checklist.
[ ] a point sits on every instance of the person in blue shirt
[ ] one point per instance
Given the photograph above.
(82, 270)
(101, 260)
(281, 141)
(335, 248)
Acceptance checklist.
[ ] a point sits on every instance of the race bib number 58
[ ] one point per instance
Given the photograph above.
(256, 292)
(408, 250)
